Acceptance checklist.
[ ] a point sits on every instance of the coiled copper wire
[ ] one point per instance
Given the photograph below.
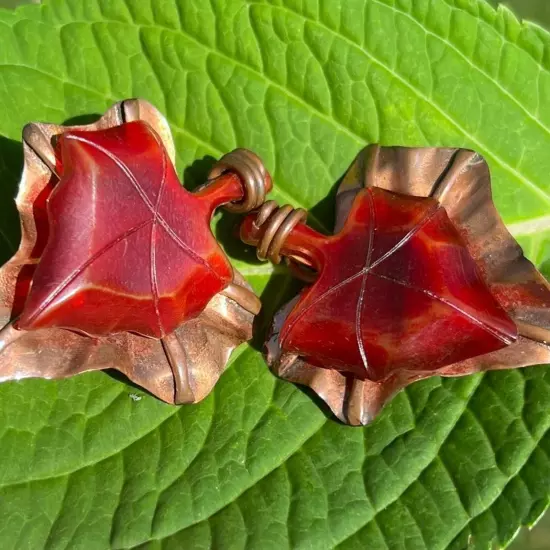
(253, 174)
(281, 221)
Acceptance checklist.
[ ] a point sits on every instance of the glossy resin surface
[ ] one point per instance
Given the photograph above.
(104, 219)
(397, 290)
(129, 249)
(421, 278)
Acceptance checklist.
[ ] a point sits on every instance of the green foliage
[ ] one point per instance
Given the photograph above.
(537, 11)
(306, 84)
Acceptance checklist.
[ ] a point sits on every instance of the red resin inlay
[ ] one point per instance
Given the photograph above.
(129, 249)
(397, 290)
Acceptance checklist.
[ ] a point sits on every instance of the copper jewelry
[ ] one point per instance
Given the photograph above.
(420, 278)
(117, 266)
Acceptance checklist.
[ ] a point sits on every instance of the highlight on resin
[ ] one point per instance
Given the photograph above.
(420, 278)
(118, 267)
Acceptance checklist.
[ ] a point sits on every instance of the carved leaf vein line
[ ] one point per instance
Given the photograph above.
(497, 334)
(153, 246)
(127, 172)
(68, 280)
(363, 271)
(365, 274)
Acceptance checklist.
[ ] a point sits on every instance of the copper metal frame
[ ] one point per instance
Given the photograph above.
(460, 180)
(182, 367)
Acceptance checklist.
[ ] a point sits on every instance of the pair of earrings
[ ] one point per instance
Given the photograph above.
(118, 268)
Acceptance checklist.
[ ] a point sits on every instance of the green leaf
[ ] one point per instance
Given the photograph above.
(93, 463)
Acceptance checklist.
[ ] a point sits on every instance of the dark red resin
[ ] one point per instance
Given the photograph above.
(397, 290)
(129, 249)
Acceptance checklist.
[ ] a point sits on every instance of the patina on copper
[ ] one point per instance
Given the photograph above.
(178, 365)
(499, 289)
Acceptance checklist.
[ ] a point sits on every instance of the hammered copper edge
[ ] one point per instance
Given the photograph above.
(460, 180)
(180, 369)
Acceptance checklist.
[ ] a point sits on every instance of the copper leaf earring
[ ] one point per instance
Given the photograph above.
(420, 278)
(117, 266)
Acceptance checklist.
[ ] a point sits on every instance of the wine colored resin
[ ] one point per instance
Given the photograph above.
(397, 290)
(129, 249)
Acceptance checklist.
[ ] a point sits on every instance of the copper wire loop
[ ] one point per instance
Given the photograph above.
(254, 177)
(282, 221)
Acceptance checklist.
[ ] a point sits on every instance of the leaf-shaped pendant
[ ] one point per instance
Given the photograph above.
(118, 267)
(420, 278)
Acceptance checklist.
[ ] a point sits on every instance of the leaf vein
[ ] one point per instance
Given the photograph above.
(428, 100)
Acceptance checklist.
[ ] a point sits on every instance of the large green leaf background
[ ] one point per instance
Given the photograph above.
(91, 462)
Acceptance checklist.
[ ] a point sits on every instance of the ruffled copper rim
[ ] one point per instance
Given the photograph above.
(181, 368)
(459, 179)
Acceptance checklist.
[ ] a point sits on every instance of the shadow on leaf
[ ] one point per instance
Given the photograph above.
(197, 172)
(120, 377)
(226, 224)
(82, 120)
(325, 210)
(11, 165)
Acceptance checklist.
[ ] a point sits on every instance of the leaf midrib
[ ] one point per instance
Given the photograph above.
(480, 70)
(520, 224)
(487, 152)
(341, 541)
(437, 456)
(289, 93)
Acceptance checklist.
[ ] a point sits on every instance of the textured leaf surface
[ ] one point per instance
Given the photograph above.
(92, 463)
